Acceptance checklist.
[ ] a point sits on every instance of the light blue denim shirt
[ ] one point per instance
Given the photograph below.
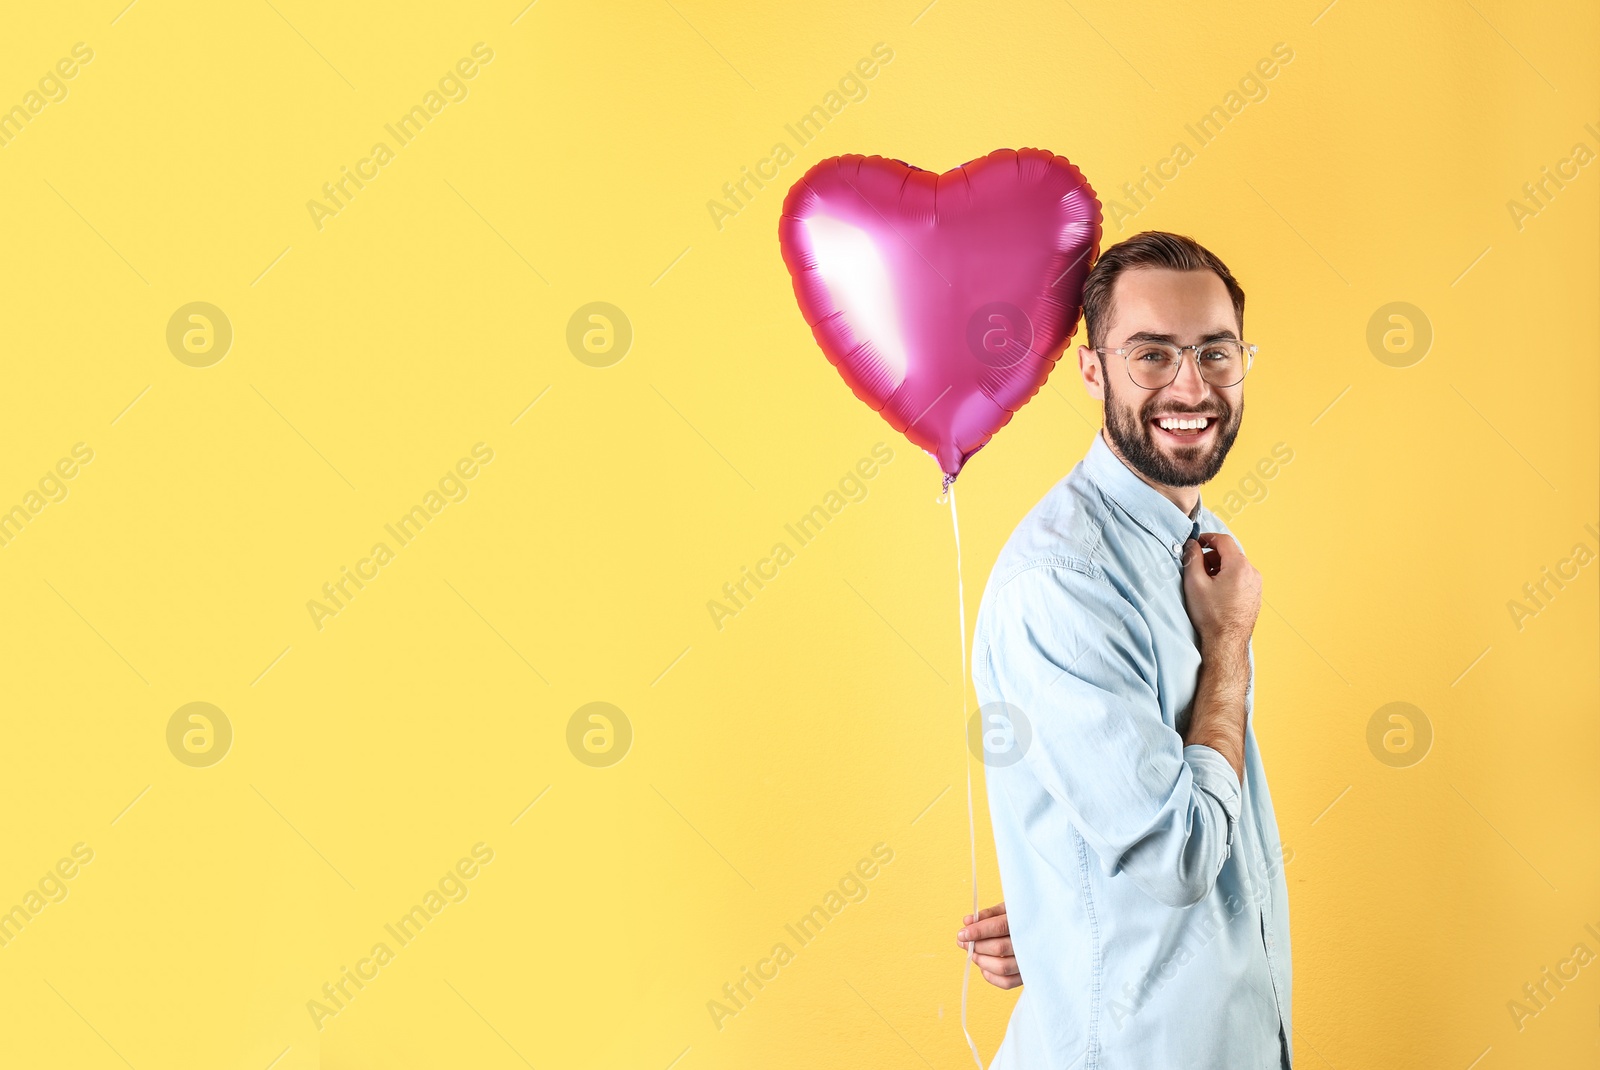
(1144, 884)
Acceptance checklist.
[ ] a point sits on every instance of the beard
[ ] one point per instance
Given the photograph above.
(1186, 466)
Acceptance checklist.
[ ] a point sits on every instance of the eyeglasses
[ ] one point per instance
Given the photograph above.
(1153, 365)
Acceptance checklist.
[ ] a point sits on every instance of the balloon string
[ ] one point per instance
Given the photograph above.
(966, 758)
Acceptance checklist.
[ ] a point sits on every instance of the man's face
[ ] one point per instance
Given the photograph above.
(1184, 306)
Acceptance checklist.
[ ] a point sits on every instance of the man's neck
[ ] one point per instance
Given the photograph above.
(1185, 498)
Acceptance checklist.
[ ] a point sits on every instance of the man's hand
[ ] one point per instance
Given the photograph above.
(1222, 594)
(1221, 590)
(992, 932)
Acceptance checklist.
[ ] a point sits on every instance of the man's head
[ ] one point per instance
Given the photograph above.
(1157, 286)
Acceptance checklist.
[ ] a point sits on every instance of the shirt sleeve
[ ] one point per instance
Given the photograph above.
(1068, 651)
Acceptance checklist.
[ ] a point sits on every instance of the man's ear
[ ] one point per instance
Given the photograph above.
(1090, 371)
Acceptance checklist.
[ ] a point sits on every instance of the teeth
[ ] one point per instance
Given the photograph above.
(1174, 424)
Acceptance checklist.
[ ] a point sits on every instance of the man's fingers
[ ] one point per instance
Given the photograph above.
(990, 927)
(1227, 551)
(999, 946)
(996, 965)
(986, 912)
(995, 945)
(1001, 981)
(988, 941)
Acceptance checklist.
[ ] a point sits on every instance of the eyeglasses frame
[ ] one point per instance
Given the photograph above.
(1249, 361)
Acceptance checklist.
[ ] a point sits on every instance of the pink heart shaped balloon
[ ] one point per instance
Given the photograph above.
(943, 300)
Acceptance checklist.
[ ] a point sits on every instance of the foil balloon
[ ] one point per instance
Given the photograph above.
(944, 300)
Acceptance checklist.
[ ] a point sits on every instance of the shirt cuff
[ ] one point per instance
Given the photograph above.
(1214, 776)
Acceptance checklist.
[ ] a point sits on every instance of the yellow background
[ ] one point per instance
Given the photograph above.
(769, 756)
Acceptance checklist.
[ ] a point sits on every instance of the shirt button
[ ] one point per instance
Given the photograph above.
(1177, 547)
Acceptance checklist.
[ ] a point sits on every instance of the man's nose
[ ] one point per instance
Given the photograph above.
(1190, 385)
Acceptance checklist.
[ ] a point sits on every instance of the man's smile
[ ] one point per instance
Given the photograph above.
(1188, 429)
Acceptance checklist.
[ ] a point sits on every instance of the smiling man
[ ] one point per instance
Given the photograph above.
(1145, 899)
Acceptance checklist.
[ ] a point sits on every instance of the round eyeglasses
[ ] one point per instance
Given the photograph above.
(1153, 365)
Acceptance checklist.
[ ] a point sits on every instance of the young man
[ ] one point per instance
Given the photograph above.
(1136, 839)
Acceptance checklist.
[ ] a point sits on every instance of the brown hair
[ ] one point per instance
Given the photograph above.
(1152, 248)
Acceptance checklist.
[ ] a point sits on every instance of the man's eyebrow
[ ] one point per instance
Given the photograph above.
(1152, 336)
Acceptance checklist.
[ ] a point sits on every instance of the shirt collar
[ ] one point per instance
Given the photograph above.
(1148, 507)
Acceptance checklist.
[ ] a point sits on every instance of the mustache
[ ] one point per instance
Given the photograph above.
(1151, 412)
